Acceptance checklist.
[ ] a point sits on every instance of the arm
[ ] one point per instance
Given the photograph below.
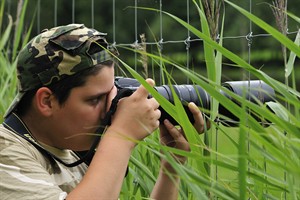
(168, 181)
(136, 117)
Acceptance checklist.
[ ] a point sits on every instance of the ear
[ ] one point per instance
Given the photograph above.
(45, 101)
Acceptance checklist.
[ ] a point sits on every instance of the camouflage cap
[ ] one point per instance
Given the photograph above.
(57, 53)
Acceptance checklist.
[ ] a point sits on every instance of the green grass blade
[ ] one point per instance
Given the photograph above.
(292, 57)
(1, 12)
(19, 30)
(208, 50)
(5, 36)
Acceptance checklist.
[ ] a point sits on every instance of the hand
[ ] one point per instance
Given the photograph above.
(173, 136)
(199, 123)
(137, 115)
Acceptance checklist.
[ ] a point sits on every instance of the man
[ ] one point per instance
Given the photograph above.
(66, 79)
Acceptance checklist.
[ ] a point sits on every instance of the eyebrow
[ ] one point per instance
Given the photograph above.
(101, 93)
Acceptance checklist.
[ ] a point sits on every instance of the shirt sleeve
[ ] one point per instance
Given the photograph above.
(22, 172)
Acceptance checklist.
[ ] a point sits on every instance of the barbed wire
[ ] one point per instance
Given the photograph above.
(190, 40)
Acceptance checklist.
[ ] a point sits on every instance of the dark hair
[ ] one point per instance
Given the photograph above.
(62, 88)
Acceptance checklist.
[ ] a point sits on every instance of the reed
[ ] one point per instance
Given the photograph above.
(13, 37)
(269, 169)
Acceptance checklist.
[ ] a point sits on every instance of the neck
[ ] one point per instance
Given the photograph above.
(38, 128)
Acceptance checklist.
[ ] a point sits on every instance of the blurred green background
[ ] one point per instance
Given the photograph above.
(124, 23)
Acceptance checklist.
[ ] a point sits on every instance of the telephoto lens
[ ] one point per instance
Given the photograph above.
(255, 91)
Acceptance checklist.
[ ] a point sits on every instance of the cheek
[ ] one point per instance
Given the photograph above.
(89, 116)
(81, 118)
(76, 126)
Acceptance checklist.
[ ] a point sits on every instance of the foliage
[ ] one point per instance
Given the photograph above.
(10, 43)
(247, 162)
(119, 23)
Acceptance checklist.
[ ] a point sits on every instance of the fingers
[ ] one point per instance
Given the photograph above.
(150, 81)
(198, 117)
(137, 115)
(177, 137)
(142, 91)
(174, 132)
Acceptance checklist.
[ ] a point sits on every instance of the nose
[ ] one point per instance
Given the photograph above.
(111, 95)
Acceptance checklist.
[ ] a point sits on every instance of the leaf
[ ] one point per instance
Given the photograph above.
(291, 15)
(292, 58)
(208, 50)
(279, 110)
(6, 34)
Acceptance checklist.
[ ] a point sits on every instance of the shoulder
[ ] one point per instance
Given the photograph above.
(21, 169)
(11, 144)
(29, 172)
(18, 153)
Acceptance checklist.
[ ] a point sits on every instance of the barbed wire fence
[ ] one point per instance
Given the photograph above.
(161, 41)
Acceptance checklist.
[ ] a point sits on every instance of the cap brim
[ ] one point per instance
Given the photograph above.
(14, 103)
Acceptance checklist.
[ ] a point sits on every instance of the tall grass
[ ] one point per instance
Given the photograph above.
(270, 169)
(13, 37)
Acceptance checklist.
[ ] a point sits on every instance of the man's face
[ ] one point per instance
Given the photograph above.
(77, 120)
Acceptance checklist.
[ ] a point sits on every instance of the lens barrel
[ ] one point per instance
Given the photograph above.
(254, 91)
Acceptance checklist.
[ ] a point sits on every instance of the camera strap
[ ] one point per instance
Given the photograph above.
(15, 124)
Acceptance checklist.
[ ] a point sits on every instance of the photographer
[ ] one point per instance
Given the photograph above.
(66, 82)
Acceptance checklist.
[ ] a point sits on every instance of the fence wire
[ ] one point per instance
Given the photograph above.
(189, 39)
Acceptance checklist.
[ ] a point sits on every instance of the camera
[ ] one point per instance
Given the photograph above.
(253, 90)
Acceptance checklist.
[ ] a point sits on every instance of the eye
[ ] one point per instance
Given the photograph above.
(96, 100)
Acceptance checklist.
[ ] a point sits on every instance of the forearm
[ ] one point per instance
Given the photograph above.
(166, 186)
(105, 174)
